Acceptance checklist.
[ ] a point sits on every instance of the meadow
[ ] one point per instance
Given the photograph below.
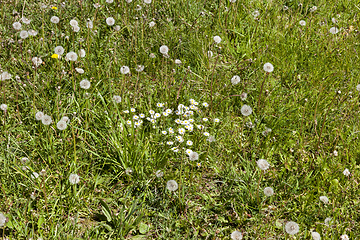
(168, 119)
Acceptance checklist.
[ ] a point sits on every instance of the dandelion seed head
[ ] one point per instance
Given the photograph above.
(39, 116)
(235, 80)
(117, 98)
(315, 235)
(46, 120)
(32, 32)
(82, 53)
(152, 24)
(71, 56)
(24, 34)
(125, 70)
(147, 1)
(217, 39)
(236, 235)
(246, 110)
(73, 23)
(74, 178)
(302, 23)
(54, 19)
(17, 25)
(80, 70)
(263, 164)
(334, 30)
(4, 107)
(172, 185)
(328, 221)
(268, 67)
(164, 49)
(36, 61)
(346, 172)
(140, 68)
(292, 228)
(85, 84)
(193, 156)
(159, 174)
(268, 191)
(61, 125)
(5, 76)
(344, 237)
(324, 199)
(110, 21)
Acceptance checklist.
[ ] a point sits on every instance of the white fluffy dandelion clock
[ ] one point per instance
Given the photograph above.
(61, 125)
(334, 30)
(39, 116)
(59, 50)
(4, 107)
(302, 23)
(117, 98)
(246, 110)
(74, 179)
(164, 49)
(71, 56)
(54, 19)
(17, 25)
(292, 228)
(263, 164)
(85, 84)
(125, 70)
(236, 235)
(3, 220)
(235, 80)
(268, 67)
(315, 235)
(46, 120)
(24, 34)
(172, 185)
(110, 21)
(324, 199)
(193, 156)
(217, 39)
(268, 191)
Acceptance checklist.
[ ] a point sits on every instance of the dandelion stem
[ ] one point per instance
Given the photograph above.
(262, 86)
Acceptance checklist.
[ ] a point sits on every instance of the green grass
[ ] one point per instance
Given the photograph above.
(310, 102)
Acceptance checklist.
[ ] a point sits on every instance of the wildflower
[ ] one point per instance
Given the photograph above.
(205, 104)
(217, 39)
(179, 139)
(3, 107)
(54, 56)
(268, 191)
(243, 96)
(193, 156)
(24, 160)
(32, 32)
(168, 111)
(36, 61)
(263, 164)
(34, 175)
(17, 25)
(164, 132)
(188, 151)
(24, 34)
(175, 149)
(164, 49)
(89, 24)
(268, 67)
(302, 23)
(39, 116)
(142, 115)
(324, 199)
(211, 139)
(171, 130)
(327, 221)
(80, 70)
(5, 76)
(205, 119)
(85, 84)
(246, 110)
(61, 125)
(216, 120)
(82, 53)
(177, 61)
(346, 172)
(235, 80)
(313, 9)
(54, 19)
(65, 119)
(335, 153)
(139, 68)
(181, 131)
(74, 178)
(189, 143)
(334, 30)
(125, 70)
(147, 1)
(170, 143)
(344, 237)
(25, 20)
(110, 21)
(152, 24)
(206, 134)
(315, 235)
(73, 23)
(292, 228)
(132, 109)
(46, 120)
(117, 98)
(54, 8)
(256, 13)
(71, 56)
(236, 235)
(172, 185)
(128, 122)
(159, 173)
(59, 50)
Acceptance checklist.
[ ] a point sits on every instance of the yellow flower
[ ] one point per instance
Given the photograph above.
(54, 56)
(54, 8)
